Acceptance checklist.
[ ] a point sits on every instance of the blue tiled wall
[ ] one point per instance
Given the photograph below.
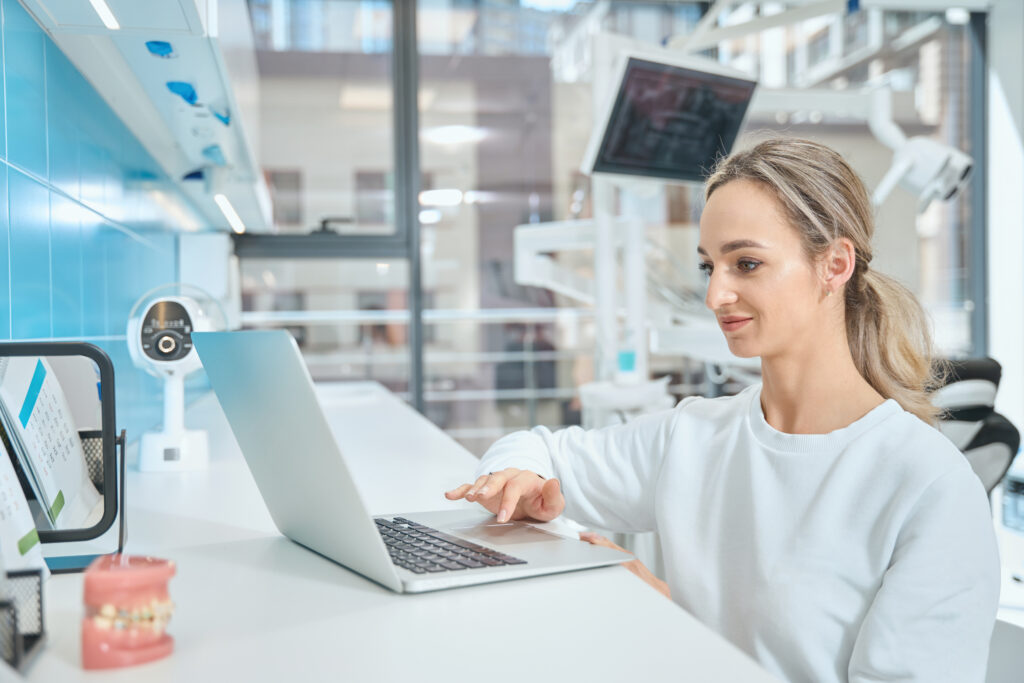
(82, 237)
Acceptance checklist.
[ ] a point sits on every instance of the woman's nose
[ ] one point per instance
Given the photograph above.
(719, 293)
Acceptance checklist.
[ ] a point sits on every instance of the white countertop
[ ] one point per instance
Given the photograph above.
(251, 605)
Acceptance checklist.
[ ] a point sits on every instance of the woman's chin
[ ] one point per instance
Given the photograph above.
(741, 350)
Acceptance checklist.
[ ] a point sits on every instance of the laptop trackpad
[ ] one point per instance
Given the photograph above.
(505, 534)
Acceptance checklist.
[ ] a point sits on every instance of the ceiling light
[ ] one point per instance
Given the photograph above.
(454, 135)
(106, 16)
(229, 213)
(378, 97)
(478, 197)
(440, 197)
(550, 5)
(365, 97)
(430, 216)
(958, 16)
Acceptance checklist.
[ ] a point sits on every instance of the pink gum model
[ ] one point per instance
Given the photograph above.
(126, 611)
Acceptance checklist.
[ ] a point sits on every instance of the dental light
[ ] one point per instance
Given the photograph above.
(928, 169)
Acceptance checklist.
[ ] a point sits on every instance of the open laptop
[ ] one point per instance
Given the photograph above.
(267, 394)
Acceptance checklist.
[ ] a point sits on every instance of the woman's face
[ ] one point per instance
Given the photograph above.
(762, 288)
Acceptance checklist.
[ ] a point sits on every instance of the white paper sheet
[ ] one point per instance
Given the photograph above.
(42, 433)
(19, 541)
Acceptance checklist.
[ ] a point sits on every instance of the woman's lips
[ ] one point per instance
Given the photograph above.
(733, 323)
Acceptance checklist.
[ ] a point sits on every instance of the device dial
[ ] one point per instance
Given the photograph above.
(166, 331)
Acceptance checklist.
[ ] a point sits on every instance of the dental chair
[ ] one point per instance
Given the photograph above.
(987, 439)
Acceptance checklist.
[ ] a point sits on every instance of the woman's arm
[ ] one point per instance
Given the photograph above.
(607, 476)
(933, 615)
(638, 568)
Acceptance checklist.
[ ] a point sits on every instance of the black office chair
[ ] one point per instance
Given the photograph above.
(988, 440)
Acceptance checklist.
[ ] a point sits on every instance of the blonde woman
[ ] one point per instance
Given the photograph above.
(817, 520)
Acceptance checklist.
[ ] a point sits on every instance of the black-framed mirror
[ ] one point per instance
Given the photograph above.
(58, 427)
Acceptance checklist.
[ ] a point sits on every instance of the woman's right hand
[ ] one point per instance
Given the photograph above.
(514, 494)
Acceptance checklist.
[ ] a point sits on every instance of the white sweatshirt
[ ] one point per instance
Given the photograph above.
(864, 554)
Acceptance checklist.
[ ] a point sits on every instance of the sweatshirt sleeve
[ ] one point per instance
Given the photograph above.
(933, 615)
(607, 475)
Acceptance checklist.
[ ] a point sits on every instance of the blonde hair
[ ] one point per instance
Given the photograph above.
(825, 200)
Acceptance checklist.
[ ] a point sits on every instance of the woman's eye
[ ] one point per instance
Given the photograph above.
(705, 268)
(746, 266)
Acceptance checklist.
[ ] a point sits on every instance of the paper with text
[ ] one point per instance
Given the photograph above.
(19, 540)
(38, 421)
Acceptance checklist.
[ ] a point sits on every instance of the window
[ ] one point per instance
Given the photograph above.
(286, 196)
(505, 108)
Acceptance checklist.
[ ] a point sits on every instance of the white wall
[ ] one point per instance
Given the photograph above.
(206, 260)
(1005, 305)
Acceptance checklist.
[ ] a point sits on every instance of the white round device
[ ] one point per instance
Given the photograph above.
(159, 335)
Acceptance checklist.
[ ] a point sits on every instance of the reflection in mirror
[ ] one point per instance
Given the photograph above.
(50, 423)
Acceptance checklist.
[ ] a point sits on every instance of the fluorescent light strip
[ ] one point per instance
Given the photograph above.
(430, 216)
(106, 16)
(229, 212)
(449, 197)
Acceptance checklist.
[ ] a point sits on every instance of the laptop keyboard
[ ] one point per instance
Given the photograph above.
(423, 550)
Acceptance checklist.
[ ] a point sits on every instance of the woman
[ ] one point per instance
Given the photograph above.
(817, 520)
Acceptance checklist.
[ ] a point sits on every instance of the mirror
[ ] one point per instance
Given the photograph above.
(57, 428)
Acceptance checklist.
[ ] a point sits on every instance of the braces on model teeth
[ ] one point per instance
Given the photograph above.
(153, 616)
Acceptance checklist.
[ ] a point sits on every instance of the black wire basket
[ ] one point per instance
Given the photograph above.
(21, 617)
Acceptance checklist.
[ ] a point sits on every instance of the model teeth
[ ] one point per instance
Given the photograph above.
(153, 616)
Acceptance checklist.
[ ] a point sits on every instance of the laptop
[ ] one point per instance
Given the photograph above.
(267, 394)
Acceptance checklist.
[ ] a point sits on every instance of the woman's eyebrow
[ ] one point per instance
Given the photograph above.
(734, 245)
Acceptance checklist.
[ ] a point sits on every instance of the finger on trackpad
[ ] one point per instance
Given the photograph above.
(510, 533)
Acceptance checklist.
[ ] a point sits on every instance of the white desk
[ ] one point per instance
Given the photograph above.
(253, 606)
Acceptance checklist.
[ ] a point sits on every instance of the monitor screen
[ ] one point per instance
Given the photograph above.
(671, 122)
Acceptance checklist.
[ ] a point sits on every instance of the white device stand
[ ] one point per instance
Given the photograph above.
(175, 448)
(158, 339)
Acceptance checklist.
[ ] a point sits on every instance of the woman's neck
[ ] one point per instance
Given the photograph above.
(815, 390)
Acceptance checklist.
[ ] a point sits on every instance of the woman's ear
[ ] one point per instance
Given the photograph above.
(838, 264)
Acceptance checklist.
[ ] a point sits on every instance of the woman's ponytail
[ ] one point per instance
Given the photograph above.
(890, 342)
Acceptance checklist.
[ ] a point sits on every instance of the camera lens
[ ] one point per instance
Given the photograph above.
(166, 345)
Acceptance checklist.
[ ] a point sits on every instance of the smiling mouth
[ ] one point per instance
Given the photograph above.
(733, 324)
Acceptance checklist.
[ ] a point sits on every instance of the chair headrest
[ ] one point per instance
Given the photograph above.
(987, 369)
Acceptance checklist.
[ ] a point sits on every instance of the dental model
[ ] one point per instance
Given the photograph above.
(126, 611)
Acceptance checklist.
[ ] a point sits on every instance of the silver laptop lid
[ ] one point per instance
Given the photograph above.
(267, 394)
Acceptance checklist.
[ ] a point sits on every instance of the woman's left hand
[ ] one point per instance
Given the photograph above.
(635, 566)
